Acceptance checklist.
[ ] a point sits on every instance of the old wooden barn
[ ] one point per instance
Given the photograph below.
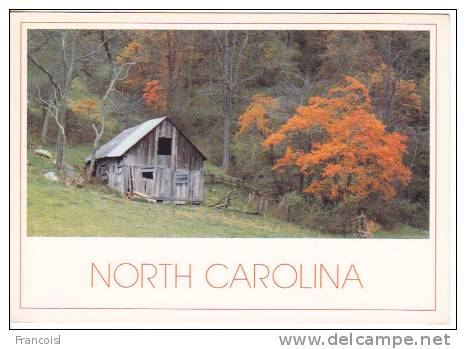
(154, 158)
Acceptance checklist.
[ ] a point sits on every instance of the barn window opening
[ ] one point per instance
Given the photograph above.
(164, 146)
(149, 174)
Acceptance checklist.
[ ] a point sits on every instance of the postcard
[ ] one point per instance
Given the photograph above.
(230, 168)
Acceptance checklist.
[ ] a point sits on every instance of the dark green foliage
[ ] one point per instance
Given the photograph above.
(398, 211)
(337, 219)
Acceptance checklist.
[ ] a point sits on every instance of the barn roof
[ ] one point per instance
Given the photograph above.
(120, 144)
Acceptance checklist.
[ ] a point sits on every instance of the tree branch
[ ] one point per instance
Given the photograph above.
(104, 44)
(218, 40)
(45, 71)
(238, 59)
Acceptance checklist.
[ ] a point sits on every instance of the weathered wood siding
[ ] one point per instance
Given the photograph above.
(175, 177)
(112, 171)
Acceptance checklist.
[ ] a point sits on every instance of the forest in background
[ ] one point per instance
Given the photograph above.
(331, 124)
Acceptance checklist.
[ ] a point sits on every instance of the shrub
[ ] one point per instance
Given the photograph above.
(293, 206)
(390, 214)
(337, 219)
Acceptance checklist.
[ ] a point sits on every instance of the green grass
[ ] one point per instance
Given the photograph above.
(215, 170)
(402, 232)
(57, 209)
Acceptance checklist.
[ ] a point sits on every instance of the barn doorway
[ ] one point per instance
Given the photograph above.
(146, 183)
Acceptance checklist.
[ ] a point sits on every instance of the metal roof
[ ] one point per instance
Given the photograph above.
(120, 144)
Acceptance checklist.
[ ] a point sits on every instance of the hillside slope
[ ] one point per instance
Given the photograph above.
(57, 209)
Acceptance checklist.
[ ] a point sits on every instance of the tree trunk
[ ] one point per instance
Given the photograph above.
(68, 69)
(98, 135)
(61, 138)
(211, 66)
(60, 165)
(361, 229)
(171, 66)
(226, 131)
(226, 102)
(45, 126)
(190, 68)
(232, 53)
(301, 182)
(95, 145)
(388, 103)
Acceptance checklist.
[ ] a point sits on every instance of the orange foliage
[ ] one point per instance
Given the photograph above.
(353, 95)
(356, 158)
(154, 94)
(131, 52)
(289, 159)
(258, 114)
(359, 158)
(134, 52)
(274, 138)
(86, 107)
(320, 111)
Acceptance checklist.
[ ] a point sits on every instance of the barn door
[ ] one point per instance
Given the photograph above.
(181, 179)
(146, 182)
(163, 183)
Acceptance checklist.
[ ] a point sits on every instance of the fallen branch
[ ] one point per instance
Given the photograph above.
(77, 181)
(137, 196)
(224, 203)
(236, 183)
(44, 153)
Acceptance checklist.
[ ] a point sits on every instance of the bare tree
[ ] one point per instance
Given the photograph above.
(61, 78)
(52, 107)
(68, 59)
(60, 81)
(118, 73)
(230, 49)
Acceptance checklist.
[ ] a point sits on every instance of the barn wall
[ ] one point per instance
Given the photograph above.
(184, 154)
(112, 170)
(184, 166)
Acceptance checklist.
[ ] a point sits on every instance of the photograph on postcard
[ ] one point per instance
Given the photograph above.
(228, 133)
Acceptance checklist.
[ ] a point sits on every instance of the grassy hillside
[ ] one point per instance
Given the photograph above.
(57, 209)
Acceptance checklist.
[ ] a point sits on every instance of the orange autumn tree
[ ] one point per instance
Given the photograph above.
(88, 107)
(347, 153)
(255, 125)
(135, 52)
(154, 95)
(257, 115)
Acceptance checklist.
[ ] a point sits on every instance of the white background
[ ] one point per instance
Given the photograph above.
(226, 339)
